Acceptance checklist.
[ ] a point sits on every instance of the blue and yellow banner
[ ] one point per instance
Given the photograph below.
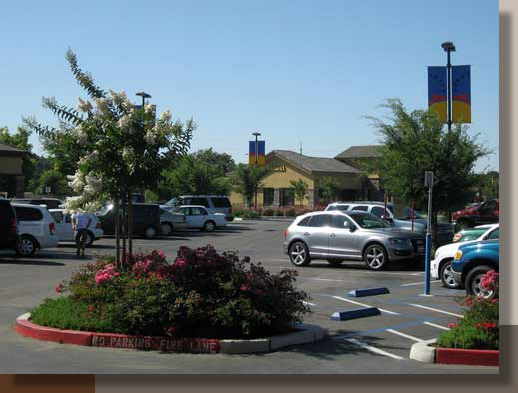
(461, 94)
(437, 99)
(261, 159)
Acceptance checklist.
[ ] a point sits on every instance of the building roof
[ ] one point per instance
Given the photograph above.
(314, 164)
(11, 150)
(368, 151)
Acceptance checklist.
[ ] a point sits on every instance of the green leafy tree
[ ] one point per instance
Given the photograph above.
(300, 188)
(222, 162)
(55, 180)
(329, 188)
(490, 185)
(246, 179)
(123, 148)
(417, 142)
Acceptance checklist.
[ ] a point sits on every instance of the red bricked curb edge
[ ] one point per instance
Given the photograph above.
(426, 352)
(306, 334)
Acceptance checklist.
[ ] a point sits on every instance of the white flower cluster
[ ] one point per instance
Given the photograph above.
(166, 116)
(82, 136)
(118, 98)
(84, 106)
(86, 185)
(103, 105)
(77, 181)
(128, 154)
(148, 108)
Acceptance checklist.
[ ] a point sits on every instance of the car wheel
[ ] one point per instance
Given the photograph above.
(447, 277)
(166, 228)
(299, 254)
(474, 283)
(89, 238)
(335, 262)
(26, 246)
(209, 226)
(375, 257)
(150, 232)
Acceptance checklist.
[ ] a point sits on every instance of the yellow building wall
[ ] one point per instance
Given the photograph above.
(11, 165)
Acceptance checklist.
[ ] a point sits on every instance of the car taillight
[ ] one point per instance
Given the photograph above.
(13, 225)
(285, 233)
(52, 228)
(98, 225)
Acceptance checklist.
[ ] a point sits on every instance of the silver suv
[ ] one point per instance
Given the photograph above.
(337, 236)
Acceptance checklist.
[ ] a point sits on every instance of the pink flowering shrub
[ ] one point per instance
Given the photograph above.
(201, 293)
(479, 327)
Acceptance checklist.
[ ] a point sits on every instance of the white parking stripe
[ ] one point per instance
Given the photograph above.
(372, 349)
(416, 274)
(419, 283)
(309, 304)
(434, 309)
(434, 325)
(404, 335)
(364, 305)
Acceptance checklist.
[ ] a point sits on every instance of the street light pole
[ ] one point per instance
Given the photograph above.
(256, 134)
(448, 48)
(144, 95)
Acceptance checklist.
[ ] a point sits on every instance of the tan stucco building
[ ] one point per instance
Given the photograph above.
(277, 191)
(11, 173)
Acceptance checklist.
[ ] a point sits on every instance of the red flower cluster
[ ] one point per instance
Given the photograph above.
(489, 280)
(106, 274)
(59, 288)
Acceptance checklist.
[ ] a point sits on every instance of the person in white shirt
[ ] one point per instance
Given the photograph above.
(80, 223)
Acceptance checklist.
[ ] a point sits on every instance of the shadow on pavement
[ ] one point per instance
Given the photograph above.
(35, 262)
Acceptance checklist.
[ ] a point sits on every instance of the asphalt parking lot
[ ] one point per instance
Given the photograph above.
(378, 344)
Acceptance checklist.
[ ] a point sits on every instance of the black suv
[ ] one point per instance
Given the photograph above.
(8, 226)
(146, 219)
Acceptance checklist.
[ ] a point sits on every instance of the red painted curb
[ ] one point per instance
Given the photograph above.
(474, 357)
(112, 340)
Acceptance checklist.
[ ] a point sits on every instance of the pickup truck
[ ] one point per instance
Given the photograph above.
(485, 213)
(472, 261)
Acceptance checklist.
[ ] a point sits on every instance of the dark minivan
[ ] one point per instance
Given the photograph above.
(8, 226)
(146, 219)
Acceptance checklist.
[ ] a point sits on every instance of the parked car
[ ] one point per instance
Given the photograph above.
(378, 210)
(472, 233)
(444, 230)
(353, 235)
(472, 261)
(171, 221)
(8, 226)
(216, 203)
(485, 213)
(64, 229)
(200, 217)
(441, 266)
(36, 228)
(146, 219)
(50, 203)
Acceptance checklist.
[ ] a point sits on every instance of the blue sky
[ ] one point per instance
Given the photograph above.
(297, 71)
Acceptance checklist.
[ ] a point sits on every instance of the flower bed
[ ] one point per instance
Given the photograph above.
(201, 294)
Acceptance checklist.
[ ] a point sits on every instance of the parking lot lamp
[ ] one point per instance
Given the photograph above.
(448, 48)
(144, 95)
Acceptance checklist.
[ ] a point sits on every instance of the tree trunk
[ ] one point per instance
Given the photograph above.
(117, 234)
(130, 224)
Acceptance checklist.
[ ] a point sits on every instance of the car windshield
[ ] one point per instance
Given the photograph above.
(368, 221)
(471, 234)
(105, 209)
(173, 202)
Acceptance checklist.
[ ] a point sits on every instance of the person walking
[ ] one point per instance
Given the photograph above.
(80, 224)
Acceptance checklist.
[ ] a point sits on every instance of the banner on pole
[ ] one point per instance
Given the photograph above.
(461, 94)
(437, 99)
(261, 159)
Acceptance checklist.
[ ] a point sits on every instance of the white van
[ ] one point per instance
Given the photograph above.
(36, 229)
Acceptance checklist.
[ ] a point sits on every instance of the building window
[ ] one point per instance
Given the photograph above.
(286, 197)
(267, 196)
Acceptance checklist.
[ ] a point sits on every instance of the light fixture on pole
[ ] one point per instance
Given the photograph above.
(144, 95)
(448, 48)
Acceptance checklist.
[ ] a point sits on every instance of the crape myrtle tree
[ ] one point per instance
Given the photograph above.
(417, 142)
(122, 148)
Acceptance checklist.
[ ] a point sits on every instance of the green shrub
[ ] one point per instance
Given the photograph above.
(202, 294)
(479, 327)
(268, 212)
(279, 213)
(290, 212)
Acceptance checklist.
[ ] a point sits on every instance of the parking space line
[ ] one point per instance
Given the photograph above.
(419, 283)
(416, 274)
(364, 305)
(404, 335)
(309, 304)
(373, 349)
(434, 309)
(434, 325)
